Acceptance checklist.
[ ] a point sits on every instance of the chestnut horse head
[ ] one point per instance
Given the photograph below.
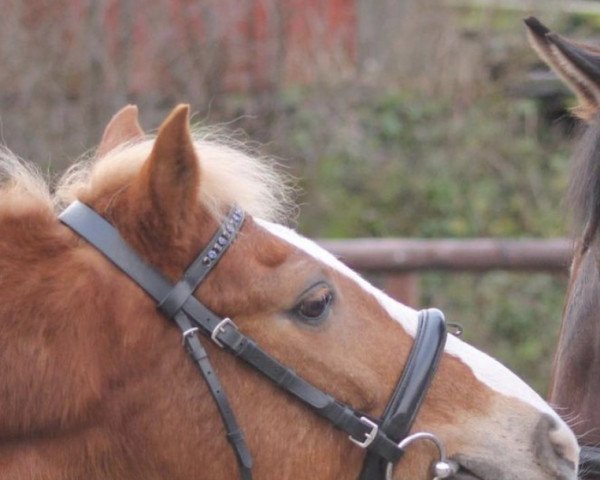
(575, 384)
(96, 385)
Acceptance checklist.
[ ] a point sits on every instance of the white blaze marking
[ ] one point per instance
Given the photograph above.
(486, 369)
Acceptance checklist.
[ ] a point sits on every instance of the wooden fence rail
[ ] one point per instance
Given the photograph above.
(401, 259)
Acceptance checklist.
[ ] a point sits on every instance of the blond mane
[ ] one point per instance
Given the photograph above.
(229, 174)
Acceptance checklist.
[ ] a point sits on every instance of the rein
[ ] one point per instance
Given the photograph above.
(384, 439)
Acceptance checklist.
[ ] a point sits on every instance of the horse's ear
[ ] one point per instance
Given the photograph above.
(577, 64)
(165, 191)
(123, 127)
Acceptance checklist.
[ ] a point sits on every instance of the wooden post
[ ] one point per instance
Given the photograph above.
(404, 287)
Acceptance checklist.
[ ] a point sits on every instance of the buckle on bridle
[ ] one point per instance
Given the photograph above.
(220, 328)
(187, 333)
(369, 436)
(443, 468)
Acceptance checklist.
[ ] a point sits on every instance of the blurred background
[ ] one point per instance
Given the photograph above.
(400, 118)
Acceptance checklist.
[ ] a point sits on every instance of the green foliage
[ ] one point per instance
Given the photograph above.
(514, 317)
(400, 163)
(441, 145)
(417, 167)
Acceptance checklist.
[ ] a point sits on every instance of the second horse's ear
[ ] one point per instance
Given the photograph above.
(123, 127)
(576, 63)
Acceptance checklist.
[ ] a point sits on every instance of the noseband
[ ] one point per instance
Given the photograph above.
(385, 438)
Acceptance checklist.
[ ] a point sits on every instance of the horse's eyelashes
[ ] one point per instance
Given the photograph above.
(314, 305)
(314, 308)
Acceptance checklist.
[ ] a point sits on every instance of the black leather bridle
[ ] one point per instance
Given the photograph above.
(384, 438)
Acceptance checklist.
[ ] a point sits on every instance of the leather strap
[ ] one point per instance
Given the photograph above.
(401, 410)
(204, 262)
(234, 433)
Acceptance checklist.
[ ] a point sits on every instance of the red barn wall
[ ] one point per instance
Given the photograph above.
(251, 45)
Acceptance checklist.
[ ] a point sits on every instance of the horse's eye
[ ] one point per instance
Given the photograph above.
(314, 306)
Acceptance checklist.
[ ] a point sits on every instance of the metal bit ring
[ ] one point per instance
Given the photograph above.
(443, 468)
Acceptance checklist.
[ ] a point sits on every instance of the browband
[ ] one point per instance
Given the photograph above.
(379, 437)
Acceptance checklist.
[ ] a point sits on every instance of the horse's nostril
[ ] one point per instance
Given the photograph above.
(564, 445)
(556, 445)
